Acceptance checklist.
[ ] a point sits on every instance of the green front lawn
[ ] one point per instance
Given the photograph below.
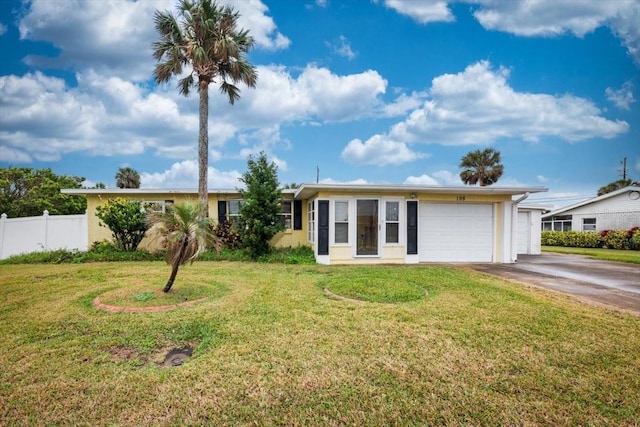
(597, 253)
(432, 345)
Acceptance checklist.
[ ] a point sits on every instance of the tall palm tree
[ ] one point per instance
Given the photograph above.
(205, 40)
(127, 178)
(185, 230)
(481, 167)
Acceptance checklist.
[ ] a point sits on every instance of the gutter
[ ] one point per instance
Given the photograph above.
(524, 197)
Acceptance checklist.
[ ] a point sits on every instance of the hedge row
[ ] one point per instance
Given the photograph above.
(610, 239)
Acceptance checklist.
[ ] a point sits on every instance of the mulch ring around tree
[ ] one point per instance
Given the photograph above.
(142, 296)
(97, 303)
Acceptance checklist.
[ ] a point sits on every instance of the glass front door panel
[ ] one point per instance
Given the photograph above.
(367, 227)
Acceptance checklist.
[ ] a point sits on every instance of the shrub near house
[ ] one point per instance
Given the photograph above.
(609, 239)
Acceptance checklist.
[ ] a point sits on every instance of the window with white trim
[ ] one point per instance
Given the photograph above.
(159, 206)
(341, 222)
(311, 221)
(557, 223)
(285, 214)
(392, 222)
(234, 209)
(588, 224)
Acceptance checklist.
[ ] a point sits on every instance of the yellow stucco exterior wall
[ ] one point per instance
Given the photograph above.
(97, 233)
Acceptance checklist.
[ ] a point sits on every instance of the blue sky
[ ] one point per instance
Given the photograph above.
(381, 91)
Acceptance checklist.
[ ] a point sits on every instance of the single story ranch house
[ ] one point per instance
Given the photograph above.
(360, 224)
(617, 210)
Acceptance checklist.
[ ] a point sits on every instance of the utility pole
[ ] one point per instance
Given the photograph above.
(624, 169)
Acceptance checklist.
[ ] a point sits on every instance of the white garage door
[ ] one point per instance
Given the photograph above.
(523, 232)
(455, 232)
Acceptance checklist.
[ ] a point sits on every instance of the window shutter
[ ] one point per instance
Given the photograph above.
(222, 212)
(297, 214)
(323, 227)
(412, 227)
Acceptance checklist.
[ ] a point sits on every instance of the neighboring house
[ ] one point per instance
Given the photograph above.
(360, 224)
(618, 210)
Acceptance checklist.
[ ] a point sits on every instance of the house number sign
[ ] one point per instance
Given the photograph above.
(460, 198)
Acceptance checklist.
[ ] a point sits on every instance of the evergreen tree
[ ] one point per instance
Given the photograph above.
(261, 208)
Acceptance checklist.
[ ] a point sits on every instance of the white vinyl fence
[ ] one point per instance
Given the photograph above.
(42, 233)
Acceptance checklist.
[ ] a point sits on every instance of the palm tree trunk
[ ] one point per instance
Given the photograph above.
(203, 145)
(176, 266)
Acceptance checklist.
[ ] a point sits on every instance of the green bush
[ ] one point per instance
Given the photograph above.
(571, 239)
(634, 237)
(615, 239)
(127, 220)
(609, 239)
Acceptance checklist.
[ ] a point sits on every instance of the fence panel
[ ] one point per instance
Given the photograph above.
(42, 233)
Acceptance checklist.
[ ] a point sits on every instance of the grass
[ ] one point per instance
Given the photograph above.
(270, 348)
(105, 252)
(618, 255)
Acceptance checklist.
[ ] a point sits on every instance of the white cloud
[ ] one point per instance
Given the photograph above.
(380, 151)
(423, 179)
(185, 175)
(114, 37)
(253, 16)
(342, 47)
(626, 24)
(359, 181)
(403, 103)
(12, 155)
(545, 18)
(542, 179)
(556, 17)
(623, 97)
(316, 94)
(42, 117)
(477, 106)
(423, 11)
(3, 28)
(441, 177)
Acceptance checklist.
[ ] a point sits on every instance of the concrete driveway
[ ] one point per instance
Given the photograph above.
(613, 284)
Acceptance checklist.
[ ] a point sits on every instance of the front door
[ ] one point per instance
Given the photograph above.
(367, 227)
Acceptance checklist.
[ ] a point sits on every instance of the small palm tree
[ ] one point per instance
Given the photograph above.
(127, 178)
(185, 230)
(481, 167)
(203, 38)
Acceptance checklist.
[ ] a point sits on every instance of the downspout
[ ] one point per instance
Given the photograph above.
(514, 226)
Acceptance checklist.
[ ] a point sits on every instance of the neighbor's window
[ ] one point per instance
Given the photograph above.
(285, 214)
(589, 224)
(392, 220)
(311, 220)
(341, 223)
(557, 223)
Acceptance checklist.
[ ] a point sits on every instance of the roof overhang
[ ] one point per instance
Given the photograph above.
(306, 191)
(135, 191)
(628, 189)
